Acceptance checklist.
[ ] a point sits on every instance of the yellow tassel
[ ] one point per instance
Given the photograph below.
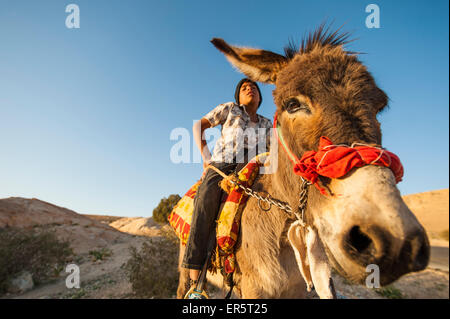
(215, 262)
(227, 185)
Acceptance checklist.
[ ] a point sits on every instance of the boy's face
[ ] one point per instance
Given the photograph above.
(248, 94)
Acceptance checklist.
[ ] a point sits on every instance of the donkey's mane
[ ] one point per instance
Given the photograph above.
(323, 37)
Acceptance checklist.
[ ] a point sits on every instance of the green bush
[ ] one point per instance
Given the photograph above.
(38, 252)
(153, 271)
(100, 254)
(390, 292)
(165, 206)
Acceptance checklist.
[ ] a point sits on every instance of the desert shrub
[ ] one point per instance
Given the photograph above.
(38, 252)
(390, 292)
(153, 270)
(165, 206)
(444, 234)
(100, 254)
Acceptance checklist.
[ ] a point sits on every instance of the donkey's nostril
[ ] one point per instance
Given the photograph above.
(358, 240)
(366, 245)
(417, 251)
(422, 257)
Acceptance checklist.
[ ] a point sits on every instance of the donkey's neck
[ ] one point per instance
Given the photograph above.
(284, 183)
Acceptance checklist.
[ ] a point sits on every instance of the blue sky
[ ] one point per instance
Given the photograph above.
(86, 114)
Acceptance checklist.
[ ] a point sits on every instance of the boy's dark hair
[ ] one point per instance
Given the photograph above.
(238, 89)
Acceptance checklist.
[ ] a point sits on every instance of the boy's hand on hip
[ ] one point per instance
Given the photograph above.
(205, 165)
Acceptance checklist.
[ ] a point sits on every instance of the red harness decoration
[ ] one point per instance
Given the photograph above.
(336, 161)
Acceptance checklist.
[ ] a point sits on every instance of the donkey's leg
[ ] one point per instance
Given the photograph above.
(183, 281)
(253, 288)
(294, 290)
(250, 288)
(282, 280)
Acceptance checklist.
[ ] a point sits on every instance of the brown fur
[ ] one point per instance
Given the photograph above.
(255, 63)
(344, 101)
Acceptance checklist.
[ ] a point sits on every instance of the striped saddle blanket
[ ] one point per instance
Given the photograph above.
(229, 219)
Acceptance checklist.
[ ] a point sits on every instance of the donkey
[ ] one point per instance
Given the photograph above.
(321, 90)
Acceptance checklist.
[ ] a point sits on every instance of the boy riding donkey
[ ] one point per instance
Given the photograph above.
(231, 152)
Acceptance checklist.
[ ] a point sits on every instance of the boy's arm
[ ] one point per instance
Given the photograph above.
(215, 117)
(198, 129)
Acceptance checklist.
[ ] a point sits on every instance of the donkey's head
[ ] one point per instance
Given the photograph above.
(323, 90)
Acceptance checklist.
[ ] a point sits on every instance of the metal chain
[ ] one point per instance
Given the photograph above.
(303, 201)
(282, 205)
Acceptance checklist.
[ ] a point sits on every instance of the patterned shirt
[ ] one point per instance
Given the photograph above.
(239, 133)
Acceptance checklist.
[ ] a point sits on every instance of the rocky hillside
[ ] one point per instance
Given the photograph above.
(100, 249)
(82, 232)
(85, 232)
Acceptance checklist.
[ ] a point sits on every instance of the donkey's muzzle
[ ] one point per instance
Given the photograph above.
(377, 247)
(366, 246)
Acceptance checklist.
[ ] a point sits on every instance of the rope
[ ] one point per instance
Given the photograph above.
(218, 171)
(228, 182)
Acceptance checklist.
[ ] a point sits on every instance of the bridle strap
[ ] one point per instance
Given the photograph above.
(294, 159)
(335, 161)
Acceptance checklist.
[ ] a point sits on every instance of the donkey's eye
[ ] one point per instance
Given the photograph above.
(294, 105)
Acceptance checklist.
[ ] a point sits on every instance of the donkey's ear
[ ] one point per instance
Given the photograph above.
(258, 65)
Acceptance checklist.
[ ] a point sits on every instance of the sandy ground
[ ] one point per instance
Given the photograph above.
(98, 279)
(106, 278)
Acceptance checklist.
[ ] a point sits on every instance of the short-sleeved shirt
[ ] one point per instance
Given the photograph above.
(239, 134)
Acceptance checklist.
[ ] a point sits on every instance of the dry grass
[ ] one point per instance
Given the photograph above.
(36, 251)
(153, 271)
(100, 254)
(390, 292)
